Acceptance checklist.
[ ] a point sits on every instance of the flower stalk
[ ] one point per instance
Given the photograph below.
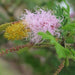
(60, 67)
(29, 45)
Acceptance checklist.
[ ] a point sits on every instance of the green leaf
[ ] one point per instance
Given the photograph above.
(69, 32)
(47, 36)
(60, 50)
(73, 52)
(44, 36)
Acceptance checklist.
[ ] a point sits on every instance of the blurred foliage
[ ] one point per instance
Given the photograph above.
(72, 3)
(63, 13)
(69, 30)
(2, 39)
(11, 6)
(33, 58)
(6, 69)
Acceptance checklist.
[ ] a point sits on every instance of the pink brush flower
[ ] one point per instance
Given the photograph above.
(72, 15)
(41, 21)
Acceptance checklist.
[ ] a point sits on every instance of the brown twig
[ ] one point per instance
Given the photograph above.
(29, 45)
(60, 67)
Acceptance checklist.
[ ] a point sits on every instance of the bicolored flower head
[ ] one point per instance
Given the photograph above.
(43, 21)
(16, 31)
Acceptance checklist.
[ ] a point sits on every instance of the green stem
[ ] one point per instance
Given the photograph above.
(66, 62)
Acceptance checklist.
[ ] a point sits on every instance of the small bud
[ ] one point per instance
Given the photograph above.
(11, 50)
(17, 48)
(6, 51)
(2, 52)
(23, 46)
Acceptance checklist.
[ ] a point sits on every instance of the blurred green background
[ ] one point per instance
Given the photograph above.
(37, 61)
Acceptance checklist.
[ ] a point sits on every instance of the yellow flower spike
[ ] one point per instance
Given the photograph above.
(4, 26)
(16, 31)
